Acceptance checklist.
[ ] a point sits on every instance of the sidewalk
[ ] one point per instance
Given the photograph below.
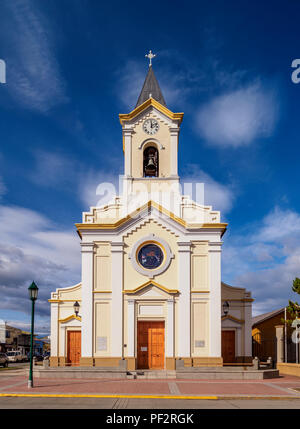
(13, 383)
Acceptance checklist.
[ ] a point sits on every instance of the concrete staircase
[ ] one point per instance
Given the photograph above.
(150, 374)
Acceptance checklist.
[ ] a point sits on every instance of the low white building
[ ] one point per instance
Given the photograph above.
(151, 290)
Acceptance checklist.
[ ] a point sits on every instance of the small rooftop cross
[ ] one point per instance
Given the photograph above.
(150, 56)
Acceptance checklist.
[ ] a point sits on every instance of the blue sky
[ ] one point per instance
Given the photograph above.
(73, 66)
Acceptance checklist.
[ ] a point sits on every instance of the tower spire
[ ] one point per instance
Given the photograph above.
(151, 87)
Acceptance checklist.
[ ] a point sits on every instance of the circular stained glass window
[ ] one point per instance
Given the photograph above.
(150, 256)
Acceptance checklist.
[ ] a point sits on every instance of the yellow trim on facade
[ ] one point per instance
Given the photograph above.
(131, 291)
(200, 291)
(161, 209)
(102, 291)
(233, 318)
(124, 117)
(70, 318)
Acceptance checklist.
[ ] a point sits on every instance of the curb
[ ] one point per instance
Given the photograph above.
(61, 395)
(220, 397)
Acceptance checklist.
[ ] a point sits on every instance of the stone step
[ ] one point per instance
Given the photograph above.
(150, 374)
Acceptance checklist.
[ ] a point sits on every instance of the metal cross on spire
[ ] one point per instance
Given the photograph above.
(150, 56)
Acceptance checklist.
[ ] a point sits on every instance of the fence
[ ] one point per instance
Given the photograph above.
(267, 347)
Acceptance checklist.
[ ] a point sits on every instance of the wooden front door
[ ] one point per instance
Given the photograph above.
(74, 347)
(151, 345)
(228, 346)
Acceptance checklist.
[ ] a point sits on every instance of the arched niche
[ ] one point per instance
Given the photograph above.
(150, 160)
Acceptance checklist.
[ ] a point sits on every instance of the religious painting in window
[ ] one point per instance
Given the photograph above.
(150, 256)
(150, 163)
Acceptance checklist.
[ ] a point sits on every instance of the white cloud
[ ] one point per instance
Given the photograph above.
(239, 117)
(33, 248)
(91, 186)
(52, 169)
(33, 75)
(220, 196)
(175, 87)
(266, 260)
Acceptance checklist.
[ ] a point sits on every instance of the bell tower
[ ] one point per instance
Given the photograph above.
(150, 142)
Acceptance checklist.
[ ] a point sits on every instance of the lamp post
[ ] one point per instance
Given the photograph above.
(33, 293)
(225, 308)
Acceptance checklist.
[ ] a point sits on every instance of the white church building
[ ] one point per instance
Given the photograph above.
(151, 291)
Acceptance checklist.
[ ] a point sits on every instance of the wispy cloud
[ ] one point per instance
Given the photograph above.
(90, 185)
(175, 86)
(220, 196)
(267, 259)
(33, 248)
(239, 117)
(33, 75)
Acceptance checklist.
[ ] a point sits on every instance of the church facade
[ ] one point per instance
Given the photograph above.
(151, 293)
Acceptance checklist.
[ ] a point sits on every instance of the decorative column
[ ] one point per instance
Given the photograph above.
(184, 302)
(87, 313)
(280, 342)
(54, 334)
(117, 299)
(215, 299)
(248, 328)
(174, 132)
(127, 135)
(130, 334)
(170, 358)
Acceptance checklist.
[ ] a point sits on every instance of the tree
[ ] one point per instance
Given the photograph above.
(293, 307)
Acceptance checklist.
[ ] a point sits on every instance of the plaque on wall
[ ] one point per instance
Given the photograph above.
(199, 343)
(144, 349)
(101, 344)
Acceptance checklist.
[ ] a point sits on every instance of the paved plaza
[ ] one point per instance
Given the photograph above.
(282, 392)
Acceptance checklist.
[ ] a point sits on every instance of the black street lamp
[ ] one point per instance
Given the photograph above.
(33, 294)
(225, 308)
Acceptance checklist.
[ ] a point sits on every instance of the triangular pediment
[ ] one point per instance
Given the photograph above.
(151, 289)
(127, 117)
(151, 208)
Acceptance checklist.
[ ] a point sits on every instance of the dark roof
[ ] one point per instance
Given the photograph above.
(151, 86)
(265, 316)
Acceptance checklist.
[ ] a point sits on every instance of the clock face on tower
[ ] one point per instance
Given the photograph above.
(150, 126)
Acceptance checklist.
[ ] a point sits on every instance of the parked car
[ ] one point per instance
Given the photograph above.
(15, 356)
(3, 360)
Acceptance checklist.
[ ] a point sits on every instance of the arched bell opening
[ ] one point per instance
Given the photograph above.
(150, 162)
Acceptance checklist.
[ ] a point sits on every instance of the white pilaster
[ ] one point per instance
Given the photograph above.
(87, 313)
(174, 132)
(117, 299)
(130, 327)
(248, 329)
(54, 329)
(184, 301)
(127, 135)
(238, 347)
(170, 328)
(215, 299)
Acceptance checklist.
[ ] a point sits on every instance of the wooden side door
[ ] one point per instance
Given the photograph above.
(228, 346)
(143, 345)
(157, 345)
(150, 345)
(74, 347)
